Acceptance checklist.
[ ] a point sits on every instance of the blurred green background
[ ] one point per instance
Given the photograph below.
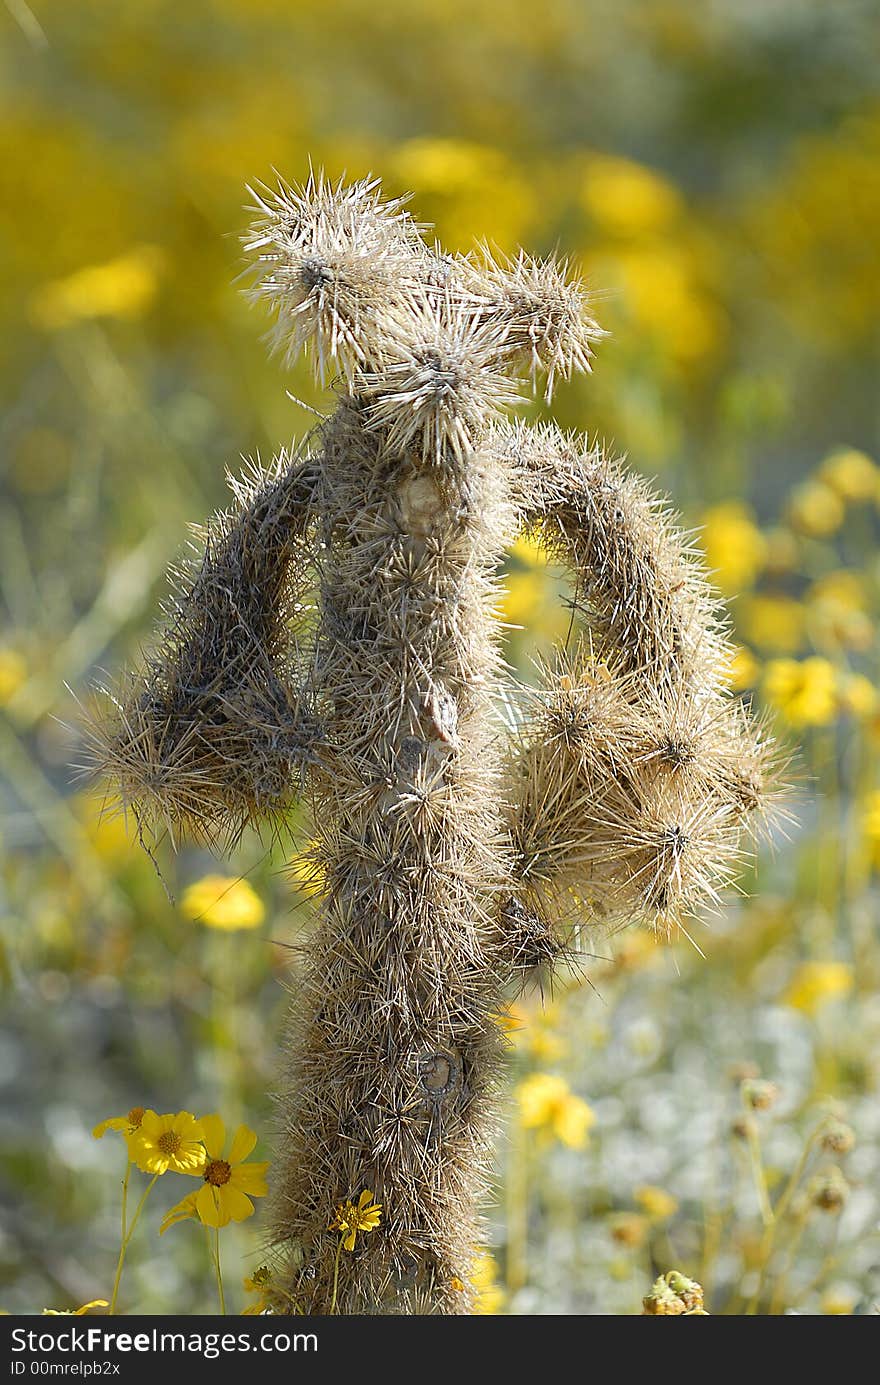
(715, 169)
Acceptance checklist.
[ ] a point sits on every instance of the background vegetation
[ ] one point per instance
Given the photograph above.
(716, 169)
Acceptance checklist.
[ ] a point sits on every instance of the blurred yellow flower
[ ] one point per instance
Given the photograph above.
(528, 550)
(656, 1202)
(13, 672)
(307, 870)
(815, 983)
(858, 696)
(547, 1104)
(224, 902)
(743, 669)
(172, 1141)
(124, 287)
(627, 199)
(352, 1217)
(530, 604)
(733, 544)
(663, 297)
(773, 623)
(804, 691)
(852, 474)
(484, 1277)
(470, 190)
(815, 510)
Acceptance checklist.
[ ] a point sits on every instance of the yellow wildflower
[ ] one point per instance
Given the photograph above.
(223, 902)
(124, 1125)
(547, 1104)
(772, 622)
(733, 544)
(259, 1283)
(815, 510)
(123, 287)
(172, 1141)
(76, 1312)
(815, 983)
(627, 199)
(484, 1277)
(804, 691)
(743, 669)
(656, 1202)
(13, 672)
(352, 1217)
(228, 1182)
(852, 474)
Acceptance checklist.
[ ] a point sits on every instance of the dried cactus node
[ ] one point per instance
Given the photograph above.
(337, 639)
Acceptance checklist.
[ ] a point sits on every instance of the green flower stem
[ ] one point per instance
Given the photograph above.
(336, 1276)
(214, 1249)
(127, 1233)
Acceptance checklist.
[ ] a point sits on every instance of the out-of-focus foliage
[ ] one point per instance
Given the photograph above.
(716, 170)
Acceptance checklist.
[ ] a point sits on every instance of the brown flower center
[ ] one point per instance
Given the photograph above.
(169, 1142)
(135, 1116)
(217, 1172)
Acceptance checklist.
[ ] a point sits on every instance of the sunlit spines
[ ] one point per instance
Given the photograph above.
(544, 313)
(331, 258)
(439, 383)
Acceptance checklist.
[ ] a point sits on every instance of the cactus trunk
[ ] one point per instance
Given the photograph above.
(395, 1050)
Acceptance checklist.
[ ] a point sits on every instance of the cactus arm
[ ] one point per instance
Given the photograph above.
(635, 778)
(217, 729)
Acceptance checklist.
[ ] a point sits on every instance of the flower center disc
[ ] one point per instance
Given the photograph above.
(218, 1172)
(169, 1142)
(135, 1116)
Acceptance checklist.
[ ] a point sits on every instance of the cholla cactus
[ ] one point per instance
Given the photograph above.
(452, 862)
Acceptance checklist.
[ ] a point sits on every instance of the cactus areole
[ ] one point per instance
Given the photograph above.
(337, 641)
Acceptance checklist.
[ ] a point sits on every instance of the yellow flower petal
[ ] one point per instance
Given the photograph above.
(251, 1178)
(236, 1204)
(213, 1135)
(243, 1141)
(114, 1123)
(182, 1211)
(209, 1208)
